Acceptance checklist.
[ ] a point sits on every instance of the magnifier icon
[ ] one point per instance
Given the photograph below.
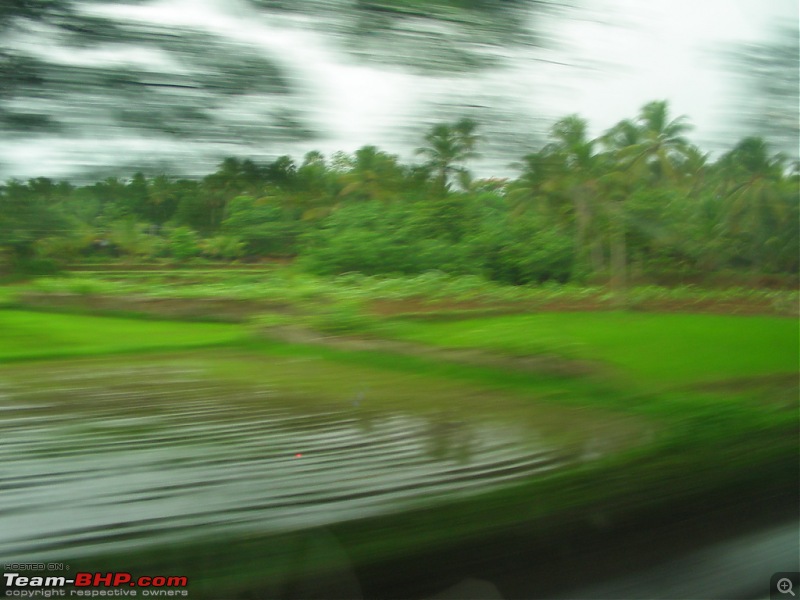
(785, 586)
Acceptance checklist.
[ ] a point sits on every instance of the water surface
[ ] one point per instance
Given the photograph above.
(101, 456)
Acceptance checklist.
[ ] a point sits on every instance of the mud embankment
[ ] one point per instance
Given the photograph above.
(201, 309)
(544, 364)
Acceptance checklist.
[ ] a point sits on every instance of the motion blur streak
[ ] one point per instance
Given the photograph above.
(90, 89)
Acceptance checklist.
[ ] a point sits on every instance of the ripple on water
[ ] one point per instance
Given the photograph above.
(143, 462)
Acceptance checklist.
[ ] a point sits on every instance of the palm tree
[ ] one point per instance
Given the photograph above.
(161, 199)
(616, 186)
(219, 188)
(563, 182)
(448, 145)
(539, 187)
(643, 152)
(373, 175)
(316, 188)
(655, 143)
(755, 194)
(281, 173)
(693, 170)
(584, 167)
(624, 134)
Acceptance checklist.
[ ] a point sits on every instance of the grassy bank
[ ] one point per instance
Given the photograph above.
(32, 335)
(429, 293)
(649, 348)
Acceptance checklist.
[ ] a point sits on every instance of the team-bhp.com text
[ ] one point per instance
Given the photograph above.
(93, 585)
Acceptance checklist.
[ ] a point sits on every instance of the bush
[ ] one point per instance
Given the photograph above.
(226, 247)
(263, 226)
(347, 317)
(478, 239)
(134, 239)
(183, 243)
(36, 266)
(376, 239)
(65, 248)
(526, 251)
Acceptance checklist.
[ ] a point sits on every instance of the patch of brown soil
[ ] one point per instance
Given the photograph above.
(476, 308)
(233, 310)
(211, 266)
(780, 390)
(219, 309)
(420, 307)
(718, 307)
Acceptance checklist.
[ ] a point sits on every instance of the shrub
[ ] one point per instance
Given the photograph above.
(226, 247)
(183, 243)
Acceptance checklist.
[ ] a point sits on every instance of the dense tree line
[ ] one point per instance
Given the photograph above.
(639, 201)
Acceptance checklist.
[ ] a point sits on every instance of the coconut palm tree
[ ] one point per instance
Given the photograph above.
(756, 196)
(373, 175)
(656, 143)
(539, 187)
(448, 147)
(583, 169)
(640, 153)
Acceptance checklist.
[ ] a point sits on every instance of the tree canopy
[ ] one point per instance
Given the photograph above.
(639, 202)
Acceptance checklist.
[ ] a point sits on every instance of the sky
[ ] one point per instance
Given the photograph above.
(610, 58)
(664, 49)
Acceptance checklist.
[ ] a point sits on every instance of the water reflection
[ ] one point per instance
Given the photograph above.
(451, 438)
(111, 459)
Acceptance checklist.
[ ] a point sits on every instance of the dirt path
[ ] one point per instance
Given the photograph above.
(235, 310)
(420, 307)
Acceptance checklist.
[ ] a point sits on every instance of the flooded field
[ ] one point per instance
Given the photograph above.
(114, 454)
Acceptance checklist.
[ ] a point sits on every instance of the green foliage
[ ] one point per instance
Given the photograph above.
(134, 239)
(268, 320)
(352, 240)
(262, 225)
(66, 247)
(84, 286)
(457, 235)
(523, 251)
(183, 243)
(638, 205)
(448, 147)
(374, 239)
(343, 317)
(37, 266)
(226, 247)
(288, 286)
(29, 213)
(769, 80)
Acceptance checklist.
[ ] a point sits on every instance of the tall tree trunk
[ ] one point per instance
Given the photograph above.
(582, 222)
(441, 180)
(619, 258)
(598, 255)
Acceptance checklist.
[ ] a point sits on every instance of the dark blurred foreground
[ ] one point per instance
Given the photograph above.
(731, 551)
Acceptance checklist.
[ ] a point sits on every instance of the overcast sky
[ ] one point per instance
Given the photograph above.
(665, 49)
(611, 57)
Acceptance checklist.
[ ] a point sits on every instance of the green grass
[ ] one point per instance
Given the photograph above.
(8, 295)
(33, 335)
(673, 349)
